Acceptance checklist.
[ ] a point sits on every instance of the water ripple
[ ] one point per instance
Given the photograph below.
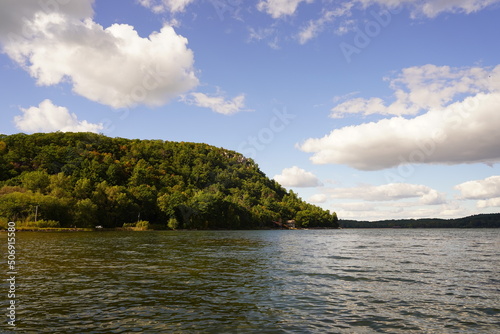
(345, 281)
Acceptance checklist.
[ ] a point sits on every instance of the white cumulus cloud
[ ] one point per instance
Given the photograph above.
(486, 191)
(449, 132)
(432, 197)
(113, 66)
(480, 189)
(297, 177)
(218, 103)
(48, 117)
(489, 203)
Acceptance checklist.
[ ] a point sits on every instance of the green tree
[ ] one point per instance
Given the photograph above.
(85, 213)
(142, 174)
(83, 188)
(35, 181)
(16, 206)
(60, 185)
(173, 223)
(145, 197)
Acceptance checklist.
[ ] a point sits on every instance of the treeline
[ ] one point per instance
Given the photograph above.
(476, 221)
(86, 179)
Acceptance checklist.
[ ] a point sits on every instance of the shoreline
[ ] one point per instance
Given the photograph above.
(131, 229)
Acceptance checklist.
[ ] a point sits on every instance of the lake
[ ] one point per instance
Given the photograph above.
(277, 281)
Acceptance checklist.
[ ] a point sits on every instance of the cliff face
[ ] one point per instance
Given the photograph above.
(85, 179)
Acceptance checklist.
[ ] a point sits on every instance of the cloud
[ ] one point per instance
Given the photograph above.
(15, 13)
(268, 34)
(489, 203)
(297, 177)
(48, 117)
(433, 197)
(356, 206)
(310, 31)
(280, 8)
(486, 191)
(424, 87)
(314, 27)
(480, 189)
(112, 66)
(318, 198)
(218, 103)
(370, 106)
(160, 6)
(390, 192)
(432, 8)
(448, 133)
(337, 15)
(378, 211)
(392, 201)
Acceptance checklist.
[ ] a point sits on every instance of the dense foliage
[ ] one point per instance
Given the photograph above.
(477, 221)
(85, 179)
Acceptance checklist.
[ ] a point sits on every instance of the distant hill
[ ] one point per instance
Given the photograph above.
(86, 179)
(476, 221)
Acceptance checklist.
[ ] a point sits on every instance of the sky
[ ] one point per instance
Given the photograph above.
(374, 109)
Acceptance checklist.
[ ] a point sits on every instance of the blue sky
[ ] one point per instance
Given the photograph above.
(375, 109)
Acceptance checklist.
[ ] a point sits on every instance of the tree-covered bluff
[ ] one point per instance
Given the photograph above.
(86, 179)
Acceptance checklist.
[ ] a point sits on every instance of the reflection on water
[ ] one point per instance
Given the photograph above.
(337, 281)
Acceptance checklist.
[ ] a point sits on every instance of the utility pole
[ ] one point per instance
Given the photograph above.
(36, 212)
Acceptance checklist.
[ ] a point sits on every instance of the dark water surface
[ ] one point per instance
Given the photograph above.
(315, 281)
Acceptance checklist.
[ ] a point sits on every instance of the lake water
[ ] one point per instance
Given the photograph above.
(298, 281)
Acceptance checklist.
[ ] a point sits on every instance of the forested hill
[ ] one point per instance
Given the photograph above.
(491, 220)
(85, 179)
